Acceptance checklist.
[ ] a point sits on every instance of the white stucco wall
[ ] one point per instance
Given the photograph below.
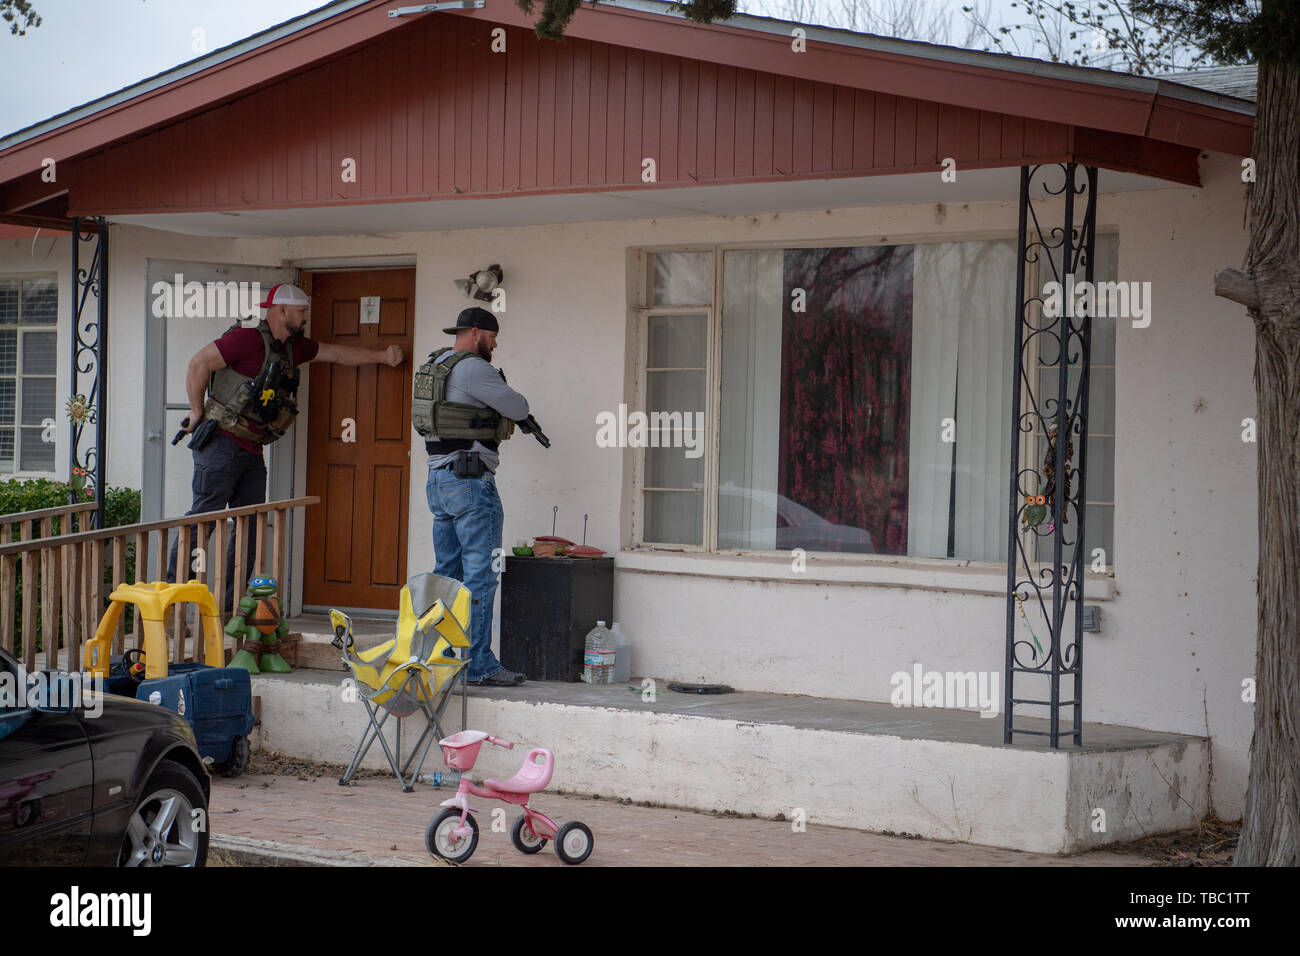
(1178, 625)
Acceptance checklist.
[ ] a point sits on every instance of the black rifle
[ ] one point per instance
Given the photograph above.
(529, 426)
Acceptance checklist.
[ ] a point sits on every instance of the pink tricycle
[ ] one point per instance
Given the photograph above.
(453, 834)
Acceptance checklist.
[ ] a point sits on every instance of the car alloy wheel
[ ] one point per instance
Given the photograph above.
(164, 829)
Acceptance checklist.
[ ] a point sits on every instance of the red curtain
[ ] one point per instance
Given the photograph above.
(845, 380)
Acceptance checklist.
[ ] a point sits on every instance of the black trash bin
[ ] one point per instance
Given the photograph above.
(547, 607)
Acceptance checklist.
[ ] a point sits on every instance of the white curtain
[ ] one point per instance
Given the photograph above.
(962, 327)
(751, 399)
(936, 296)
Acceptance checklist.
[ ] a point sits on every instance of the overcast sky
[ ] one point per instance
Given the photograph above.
(85, 49)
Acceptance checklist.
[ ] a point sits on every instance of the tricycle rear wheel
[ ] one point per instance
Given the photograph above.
(573, 843)
(525, 839)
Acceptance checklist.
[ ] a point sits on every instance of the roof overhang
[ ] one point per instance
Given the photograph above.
(1035, 89)
(216, 77)
(385, 220)
(1120, 122)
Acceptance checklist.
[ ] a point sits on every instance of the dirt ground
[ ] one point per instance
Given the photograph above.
(1213, 843)
(277, 764)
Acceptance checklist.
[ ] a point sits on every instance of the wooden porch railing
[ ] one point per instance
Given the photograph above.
(30, 526)
(68, 570)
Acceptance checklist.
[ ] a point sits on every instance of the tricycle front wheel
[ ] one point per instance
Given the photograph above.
(441, 840)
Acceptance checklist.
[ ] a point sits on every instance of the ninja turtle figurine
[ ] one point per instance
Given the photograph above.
(261, 625)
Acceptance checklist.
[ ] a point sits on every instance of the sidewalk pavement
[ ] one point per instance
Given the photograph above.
(281, 820)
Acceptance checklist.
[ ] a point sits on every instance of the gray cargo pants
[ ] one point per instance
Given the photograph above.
(225, 476)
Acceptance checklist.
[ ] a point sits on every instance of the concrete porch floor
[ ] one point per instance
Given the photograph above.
(792, 710)
(936, 773)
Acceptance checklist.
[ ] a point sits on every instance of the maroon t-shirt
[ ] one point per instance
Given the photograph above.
(243, 351)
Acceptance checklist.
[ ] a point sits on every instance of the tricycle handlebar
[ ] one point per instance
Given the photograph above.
(501, 743)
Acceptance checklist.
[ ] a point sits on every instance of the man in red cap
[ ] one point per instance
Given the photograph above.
(250, 377)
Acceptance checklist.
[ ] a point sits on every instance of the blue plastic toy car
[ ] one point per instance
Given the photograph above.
(217, 702)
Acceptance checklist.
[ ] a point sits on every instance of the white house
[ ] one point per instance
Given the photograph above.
(813, 246)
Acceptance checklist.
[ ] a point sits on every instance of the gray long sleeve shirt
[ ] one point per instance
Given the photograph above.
(475, 382)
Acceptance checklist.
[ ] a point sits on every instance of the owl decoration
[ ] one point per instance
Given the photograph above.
(1035, 511)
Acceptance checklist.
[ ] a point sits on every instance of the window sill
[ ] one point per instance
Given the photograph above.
(924, 574)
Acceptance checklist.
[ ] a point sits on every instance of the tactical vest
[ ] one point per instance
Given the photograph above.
(259, 409)
(435, 417)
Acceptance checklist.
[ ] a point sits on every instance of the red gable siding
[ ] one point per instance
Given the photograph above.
(555, 118)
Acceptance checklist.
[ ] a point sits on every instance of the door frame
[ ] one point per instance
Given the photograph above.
(159, 416)
(305, 269)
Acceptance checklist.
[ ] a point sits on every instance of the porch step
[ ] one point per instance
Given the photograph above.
(929, 772)
(308, 641)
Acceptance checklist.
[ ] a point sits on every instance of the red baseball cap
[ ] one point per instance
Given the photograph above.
(285, 294)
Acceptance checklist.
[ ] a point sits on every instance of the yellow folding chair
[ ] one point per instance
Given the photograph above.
(410, 672)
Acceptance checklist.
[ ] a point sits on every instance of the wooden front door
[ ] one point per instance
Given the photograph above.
(358, 444)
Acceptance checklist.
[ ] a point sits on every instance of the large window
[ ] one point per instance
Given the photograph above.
(28, 361)
(861, 396)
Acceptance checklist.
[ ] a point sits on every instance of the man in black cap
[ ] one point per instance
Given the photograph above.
(464, 409)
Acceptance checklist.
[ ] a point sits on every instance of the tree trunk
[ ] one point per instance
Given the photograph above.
(1270, 834)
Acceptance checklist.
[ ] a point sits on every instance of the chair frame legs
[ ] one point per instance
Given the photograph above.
(432, 732)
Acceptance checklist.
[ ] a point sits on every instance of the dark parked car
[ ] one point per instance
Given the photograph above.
(81, 786)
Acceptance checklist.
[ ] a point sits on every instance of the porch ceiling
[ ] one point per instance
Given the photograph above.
(742, 199)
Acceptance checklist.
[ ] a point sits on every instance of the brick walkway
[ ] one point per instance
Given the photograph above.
(374, 821)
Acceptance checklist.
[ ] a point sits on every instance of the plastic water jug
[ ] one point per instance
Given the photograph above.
(622, 655)
(598, 655)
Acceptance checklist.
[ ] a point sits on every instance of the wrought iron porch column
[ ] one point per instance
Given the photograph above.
(89, 379)
(1058, 419)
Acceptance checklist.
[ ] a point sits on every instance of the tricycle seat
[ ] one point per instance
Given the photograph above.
(534, 775)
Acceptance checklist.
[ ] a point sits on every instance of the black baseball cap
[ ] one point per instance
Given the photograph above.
(474, 318)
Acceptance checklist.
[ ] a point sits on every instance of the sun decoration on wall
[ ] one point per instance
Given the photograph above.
(80, 411)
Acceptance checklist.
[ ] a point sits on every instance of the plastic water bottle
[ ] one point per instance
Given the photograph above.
(439, 777)
(598, 655)
(622, 655)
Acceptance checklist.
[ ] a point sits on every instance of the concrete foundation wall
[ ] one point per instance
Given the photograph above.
(1023, 799)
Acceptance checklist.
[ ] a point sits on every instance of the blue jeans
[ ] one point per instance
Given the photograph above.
(467, 519)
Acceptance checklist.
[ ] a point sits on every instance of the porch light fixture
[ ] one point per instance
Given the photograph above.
(480, 284)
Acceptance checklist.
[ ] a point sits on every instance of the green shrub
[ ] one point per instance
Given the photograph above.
(121, 506)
